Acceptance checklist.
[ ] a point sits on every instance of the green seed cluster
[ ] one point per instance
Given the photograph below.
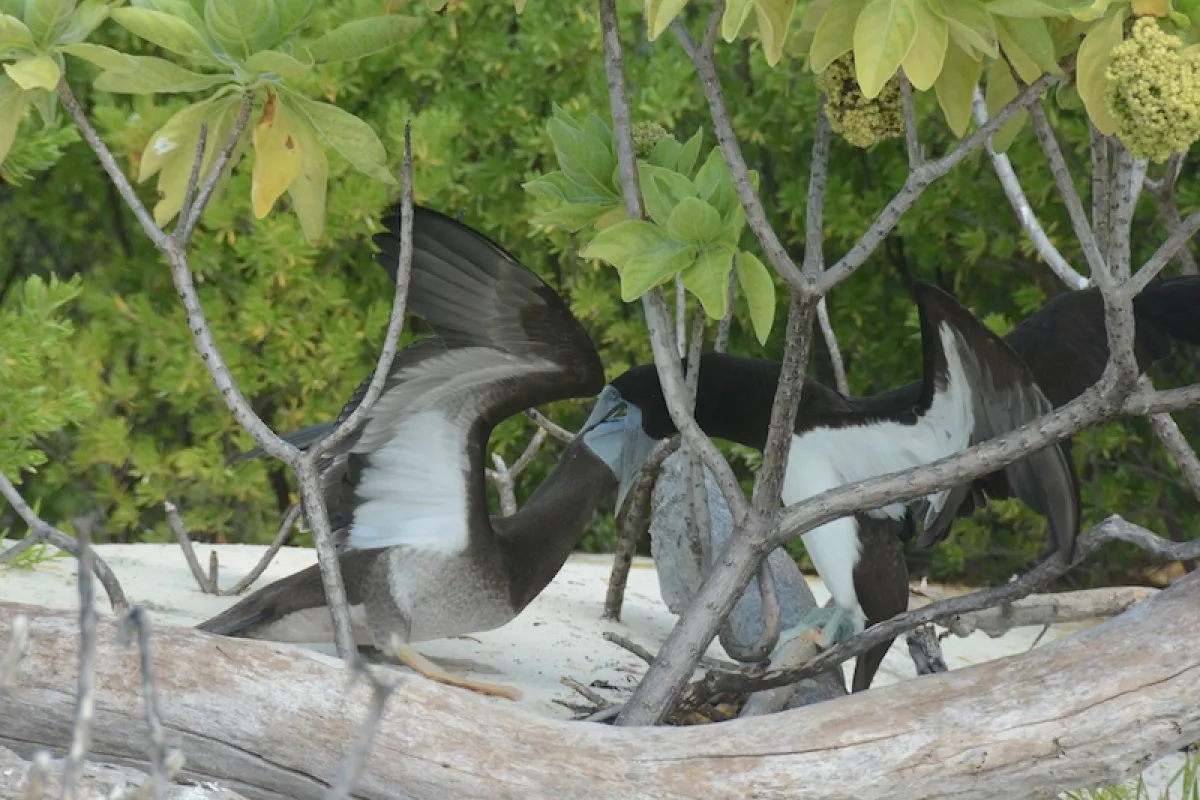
(1154, 92)
(860, 121)
(645, 136)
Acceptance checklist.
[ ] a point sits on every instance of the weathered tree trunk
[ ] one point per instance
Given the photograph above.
(273, 723)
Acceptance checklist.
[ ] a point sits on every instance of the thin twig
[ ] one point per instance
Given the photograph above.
(550, 427)
(1175, 442)
(281, 536)
(632, 526)
(504, 486)
(17, 649)
(37, 776)
(633, 647)
(1128, 176)
(189, 193)
(1101, 187)
(722, 340)
(595, 697)
(1112, 528)
(1163, 193)
(680, 316)
(81, 734)
(186, 226)
(1024, 211)
(535, 444)
(137, 620)
(40, 530)
(1166, 251)
(912, 139)
(175, 522)
(352, 765)
(835, 352)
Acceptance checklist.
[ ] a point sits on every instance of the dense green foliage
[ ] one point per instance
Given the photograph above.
(300, 322)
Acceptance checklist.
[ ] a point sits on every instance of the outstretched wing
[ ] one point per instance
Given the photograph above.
(1003, 396)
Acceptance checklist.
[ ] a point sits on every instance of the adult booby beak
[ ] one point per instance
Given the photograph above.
(613, 432)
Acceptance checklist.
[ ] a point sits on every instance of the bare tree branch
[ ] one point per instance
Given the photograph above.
(1101, 187)
(39, 530)
(137, 620)
(557, 431)
(18, 646)
(86, 699)
(1166, 251)
(1163, 193)
(1113, 528)
(281, 536)
(352, 766)
(1128, 177)
(175, 522)
(1049, 609)
(1024, 211)
(189, 192)
(722, 340)
(835, 352)
(1174, 441)
(912, 140)
(925, 650)
(502, 477)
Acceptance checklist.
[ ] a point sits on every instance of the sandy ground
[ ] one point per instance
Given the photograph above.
(559, 635)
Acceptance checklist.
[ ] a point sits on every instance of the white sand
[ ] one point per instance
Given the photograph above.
(559, 634)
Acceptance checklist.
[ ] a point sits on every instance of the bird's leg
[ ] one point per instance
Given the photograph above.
(835, 623)
(406, 655)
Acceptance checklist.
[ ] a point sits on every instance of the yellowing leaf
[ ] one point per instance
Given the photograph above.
(1001, 89)
(307, 191)
(363, 37)
(13, 102)
(1151, 8)
(708, 278)
(771, 19)
(970, 25)
(834, 36)
(14, 34)
(276, 157)
(519, 5)
(101, 56)
(85, 19)
(169, 140)
(354, 139)
(955, 87)
(759, 290)
(1035, 9)
(733, 21)
(167, 31)
(659, 14)
(924, 61)
(1028, 46)
(1094, 55)
(39, 72)
(883, 35)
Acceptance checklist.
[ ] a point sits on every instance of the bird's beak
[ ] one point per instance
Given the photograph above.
(620, 439)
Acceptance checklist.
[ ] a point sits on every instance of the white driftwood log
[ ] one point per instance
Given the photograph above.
(270, 722)
(1048, 609)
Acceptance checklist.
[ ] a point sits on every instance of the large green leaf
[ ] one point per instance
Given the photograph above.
(923, 64)
(48, 18)
(662, 190)
(13, 102)
(84, 20)
(101, 56)
(584, 158)
(279, 63)
(167, 31)
(153, 75)
(834, 36)
(363, 37)
(1001, 90)
(293, 15)
(643, 254)
(349, 135)
(694, 221)
(573, 216)
(14, 35)
(955, 87)
(708, 278)
(883, 35)
(759, 290)
(242, 27)
(970, 25)
(1091, 64)
(38, 72)
(1028, 46)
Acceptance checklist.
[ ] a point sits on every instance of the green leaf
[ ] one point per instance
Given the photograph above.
(48, 18)
(13, 102)
(242, 27)
(1028, 46)
(659, 14)
(39, 72)
(955, 87)
(585, 159)
(14, 34)
(363, 37)
(1091, 64)
(665, 153)
(101, 56)
(1036, 9)
(970, 25)
(708, 278)
(685, 162)
(167, 31)
(349, 135)
(572, 216)
(153, 75)
(279, 63)
(773, 17)
(734, 18)
(883, 35)
(85, 19)
(662, 190)
(293, 15)
(1001, 89)
(643, 254)
(924, 61)
(759, 290)
(553, 185)
(834, 36)
(307, 191)
(694, 221)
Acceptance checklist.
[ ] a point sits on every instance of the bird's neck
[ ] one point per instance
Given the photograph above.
(537, 540)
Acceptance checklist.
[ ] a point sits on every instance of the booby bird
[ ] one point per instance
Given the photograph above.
(1063, 344)
(973, 388)
(420, 557)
